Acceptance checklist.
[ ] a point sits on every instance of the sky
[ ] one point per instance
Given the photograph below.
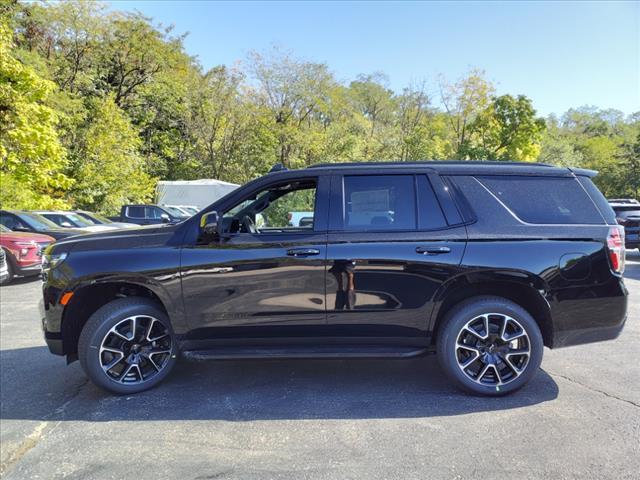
(559, 54)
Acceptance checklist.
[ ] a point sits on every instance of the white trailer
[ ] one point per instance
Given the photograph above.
(198, 193)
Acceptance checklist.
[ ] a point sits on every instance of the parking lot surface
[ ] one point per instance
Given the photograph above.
(301, 419)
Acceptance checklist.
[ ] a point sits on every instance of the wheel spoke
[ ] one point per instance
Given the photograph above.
(498, 376)
(148, 335)
(482, 372)
(470, 360)
(503, 330)
(510, 364)
(116, 332)
(518, 352)
(486, 326)
(474, 333)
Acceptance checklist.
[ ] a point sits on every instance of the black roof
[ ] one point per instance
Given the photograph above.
(455, 167)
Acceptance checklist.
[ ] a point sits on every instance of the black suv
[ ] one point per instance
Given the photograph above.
(484, 263)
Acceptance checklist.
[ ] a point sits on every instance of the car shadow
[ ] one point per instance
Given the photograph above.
(246, 390)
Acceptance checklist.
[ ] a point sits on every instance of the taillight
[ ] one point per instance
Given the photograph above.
(615, 245)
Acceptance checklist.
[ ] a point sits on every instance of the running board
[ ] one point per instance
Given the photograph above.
(303, 351)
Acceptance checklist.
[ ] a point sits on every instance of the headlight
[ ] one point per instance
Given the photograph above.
(50, 261)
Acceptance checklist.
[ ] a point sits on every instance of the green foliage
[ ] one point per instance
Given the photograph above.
(107, 165)
(506, 130)
(95, 104)
(32, 158)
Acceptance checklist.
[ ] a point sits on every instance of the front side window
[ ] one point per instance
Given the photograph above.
(379, 202)
(287, 207)
(153, 212)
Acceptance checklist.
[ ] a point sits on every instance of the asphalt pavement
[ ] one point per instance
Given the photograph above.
(325, 419)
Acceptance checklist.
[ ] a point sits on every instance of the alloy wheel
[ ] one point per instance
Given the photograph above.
(135, 349)
(493, 349)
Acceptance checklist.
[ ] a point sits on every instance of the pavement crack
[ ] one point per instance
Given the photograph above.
(61, 409)
(39, 432)
(589, 387)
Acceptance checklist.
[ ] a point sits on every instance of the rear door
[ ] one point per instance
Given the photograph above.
(390, 247)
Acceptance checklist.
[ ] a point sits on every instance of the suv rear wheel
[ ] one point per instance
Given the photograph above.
(489, 346)
(127, 346)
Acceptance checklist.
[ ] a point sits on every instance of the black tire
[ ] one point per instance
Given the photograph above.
(492, 350)
(99, 327)
(10, 275)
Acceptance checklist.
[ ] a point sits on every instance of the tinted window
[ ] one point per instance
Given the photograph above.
(135, 212)
(544, 200)
(379, 202)
(431, 216)
(598, 198)
(153, 212)
(9, 221)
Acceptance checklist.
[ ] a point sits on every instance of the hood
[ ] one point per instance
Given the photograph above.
(26, 237)
(122, 225)
(143, 236)
(60, 233)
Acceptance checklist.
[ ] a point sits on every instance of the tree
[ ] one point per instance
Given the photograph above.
(464, 101)
(506, 130)
(32, 159)
(107, 165)
(292, 94)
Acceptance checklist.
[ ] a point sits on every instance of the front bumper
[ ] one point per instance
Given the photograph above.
(29, 270)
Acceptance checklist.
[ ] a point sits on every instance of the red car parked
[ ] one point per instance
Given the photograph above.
(23, 252)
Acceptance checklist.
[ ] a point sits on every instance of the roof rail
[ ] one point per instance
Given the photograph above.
(431, 162)
(278, 167)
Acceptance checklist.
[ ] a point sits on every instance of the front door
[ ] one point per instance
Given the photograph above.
(389, 249)
(265, 276)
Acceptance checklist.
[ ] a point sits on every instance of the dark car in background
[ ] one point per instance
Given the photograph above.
(23, 221)
(484, 263)
(628, 215)
(23, 252)
(97, 219)
(149, 215)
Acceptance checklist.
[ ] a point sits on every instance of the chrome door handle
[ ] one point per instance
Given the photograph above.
(303, 252)
(432, 250)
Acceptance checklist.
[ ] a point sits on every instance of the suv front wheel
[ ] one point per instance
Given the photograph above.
(127, 346)
(489, 346)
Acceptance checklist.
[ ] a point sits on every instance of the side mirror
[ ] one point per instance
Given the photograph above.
(165, 218)
(210, 223)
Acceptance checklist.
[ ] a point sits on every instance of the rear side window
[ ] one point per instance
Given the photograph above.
(135, 212)
(599, 199)
(379, 202)
(544, 200)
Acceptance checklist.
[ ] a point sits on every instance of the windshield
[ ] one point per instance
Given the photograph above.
(176, 212)
(76, 220)
(97, 218)
(37, 222)
(191, 210)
